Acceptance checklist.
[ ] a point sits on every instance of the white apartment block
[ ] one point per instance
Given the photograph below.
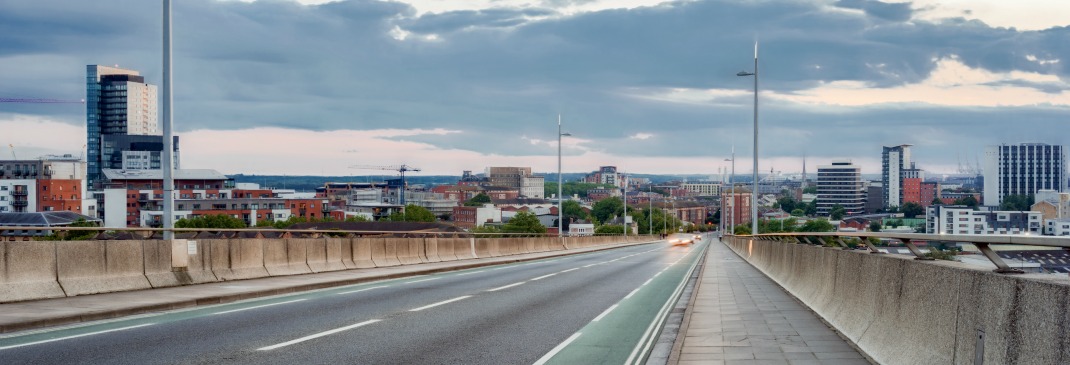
(964, 220)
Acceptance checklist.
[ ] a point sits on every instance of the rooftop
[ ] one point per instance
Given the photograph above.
(181, 174)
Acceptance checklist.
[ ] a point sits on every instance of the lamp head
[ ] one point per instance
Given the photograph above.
(745, 73)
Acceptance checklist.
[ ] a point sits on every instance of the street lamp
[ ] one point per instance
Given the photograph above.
(167, 155)
(650, 208)
(732, 222)
(560, 205)
(754, 192)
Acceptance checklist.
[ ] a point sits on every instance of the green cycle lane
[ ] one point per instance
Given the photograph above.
(626, 334)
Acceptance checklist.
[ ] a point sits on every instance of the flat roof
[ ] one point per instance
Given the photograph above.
(181, 174)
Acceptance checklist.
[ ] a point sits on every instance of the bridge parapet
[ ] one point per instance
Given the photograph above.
(905, 311)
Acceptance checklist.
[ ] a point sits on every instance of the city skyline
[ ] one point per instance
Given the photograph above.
(447, 86)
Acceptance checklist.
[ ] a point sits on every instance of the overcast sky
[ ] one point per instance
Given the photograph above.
(312, 87)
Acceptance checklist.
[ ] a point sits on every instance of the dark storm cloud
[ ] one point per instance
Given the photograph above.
(507, 72)
(889, 11)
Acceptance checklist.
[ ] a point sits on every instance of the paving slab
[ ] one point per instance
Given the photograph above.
(740, 316)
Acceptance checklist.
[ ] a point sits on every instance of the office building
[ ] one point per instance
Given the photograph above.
(895, 160)
(519, 178)
(1022, 169)
(840, 184)
(118, 102)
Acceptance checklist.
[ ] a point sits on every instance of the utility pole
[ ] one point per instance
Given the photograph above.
(168, 113)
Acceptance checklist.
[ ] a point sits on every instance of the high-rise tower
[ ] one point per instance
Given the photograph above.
(118, 103)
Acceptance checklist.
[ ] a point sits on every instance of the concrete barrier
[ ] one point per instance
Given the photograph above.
(408, 251)
(158, 268)
(88, 267)
(446, 251)
(237, 259)
(902, 311)
(345, 250)
(323, 254)
(465, 248)
(286, 257)
(482, 247)
(384, 252)
(362, 253)
(28, 271)
(431, 249)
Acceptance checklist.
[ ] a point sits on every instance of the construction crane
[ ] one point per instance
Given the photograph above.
(41, 101)
(401, 169)
(13, 157)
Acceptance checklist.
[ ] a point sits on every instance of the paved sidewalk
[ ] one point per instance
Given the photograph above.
(740, 316)
(50, 312)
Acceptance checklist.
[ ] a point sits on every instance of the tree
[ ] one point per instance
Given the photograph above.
(571, 209)
(606, 209)
(912, 209)
(72, 235)
(817, 225)
(970, 201)
(741, 229)
(211, 221)
(874, 226)
(571, 188)
(356, 218)
(609, 229)
(937, 201)
(524, 222)
(786, 204)
(837, 212)
(1016, 202)
(798, 212)
(810, 190)
(478, 201)
(811, 208)
(412, 213)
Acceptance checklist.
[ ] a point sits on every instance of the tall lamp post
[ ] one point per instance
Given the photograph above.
(624, 198)
(732, 220)
(754, 192)
(560, 205)
(650, 208)
(166, 111)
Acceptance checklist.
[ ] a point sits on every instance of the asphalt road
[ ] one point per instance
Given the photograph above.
(600, 307)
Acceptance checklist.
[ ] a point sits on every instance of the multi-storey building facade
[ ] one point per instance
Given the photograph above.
(840, 184)
(1023, 169)
(957, 219)
(605, 175)
(736, 206)
(118, 102)
(18, 196)
(519, 178)
(894, 160)
(55, 183)
(702, 189)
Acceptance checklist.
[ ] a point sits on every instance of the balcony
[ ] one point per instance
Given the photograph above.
(19, 203)
(19, 193)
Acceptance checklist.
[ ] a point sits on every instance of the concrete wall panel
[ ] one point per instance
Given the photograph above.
(446, 251)
(362, 252)
(28, 271)
(237, 259)
(88, 267)
(431, 249)
(384, 252)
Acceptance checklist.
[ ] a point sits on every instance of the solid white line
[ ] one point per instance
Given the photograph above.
(589, 265)
(259, 306)
(365, 289)
(564, 271)
(507, 286)
(318, 335)
(426, 279)
(440, 303)
(474, 272)
(604, 313)
(632, 293)
(75, 336)
(544, 277)
(561, 346)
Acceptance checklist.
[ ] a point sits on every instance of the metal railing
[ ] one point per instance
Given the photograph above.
(983, 242)
(148, 232)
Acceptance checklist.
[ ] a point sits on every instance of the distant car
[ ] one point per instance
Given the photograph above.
(681, 239)
(698, 237)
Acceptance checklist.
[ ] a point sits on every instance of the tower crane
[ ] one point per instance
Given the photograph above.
(13, 157)
(401, 169)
